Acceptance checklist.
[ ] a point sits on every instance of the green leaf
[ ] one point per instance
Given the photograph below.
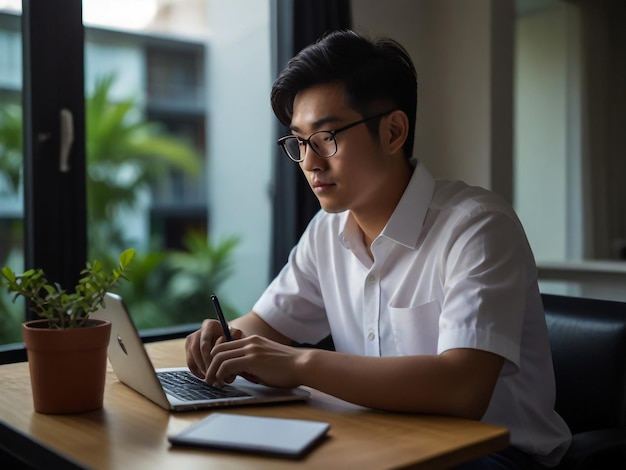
(51, 290)
(8, 274)
(126, 257)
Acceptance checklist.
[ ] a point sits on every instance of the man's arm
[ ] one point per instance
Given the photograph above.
(252, 324)
(458, 382)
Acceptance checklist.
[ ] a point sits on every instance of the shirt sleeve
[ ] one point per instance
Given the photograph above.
(292, 304)
(486, 280)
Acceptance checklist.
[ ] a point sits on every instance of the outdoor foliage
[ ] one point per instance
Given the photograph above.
(174, 287)
(10, 148)
(125, 154)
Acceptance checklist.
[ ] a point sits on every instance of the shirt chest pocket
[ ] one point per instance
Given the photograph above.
(416, 329)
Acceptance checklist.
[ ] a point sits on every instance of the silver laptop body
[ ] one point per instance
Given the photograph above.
(133, 367)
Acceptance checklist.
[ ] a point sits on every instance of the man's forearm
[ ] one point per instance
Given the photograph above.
(252, 324)
(458, 382)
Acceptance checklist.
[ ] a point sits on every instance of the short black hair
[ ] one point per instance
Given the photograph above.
(378, 76)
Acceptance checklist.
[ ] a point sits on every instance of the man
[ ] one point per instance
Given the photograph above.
(429, 288)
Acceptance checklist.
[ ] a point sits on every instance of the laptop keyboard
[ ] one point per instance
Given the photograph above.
(186, 386)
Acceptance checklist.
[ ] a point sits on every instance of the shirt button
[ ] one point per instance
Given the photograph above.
(371, 279)
(371, 336)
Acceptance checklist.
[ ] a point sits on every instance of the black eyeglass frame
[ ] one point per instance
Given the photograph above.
(282, 141)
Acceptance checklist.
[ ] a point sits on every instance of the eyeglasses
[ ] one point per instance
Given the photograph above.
(323, 143)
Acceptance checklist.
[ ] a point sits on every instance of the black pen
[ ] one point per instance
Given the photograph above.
(220, 315)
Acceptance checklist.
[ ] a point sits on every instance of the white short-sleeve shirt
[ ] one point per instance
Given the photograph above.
(451, 269)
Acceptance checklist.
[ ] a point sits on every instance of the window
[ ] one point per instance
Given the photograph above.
(195, 201)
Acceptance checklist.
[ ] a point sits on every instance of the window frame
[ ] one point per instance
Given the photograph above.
(55, 222)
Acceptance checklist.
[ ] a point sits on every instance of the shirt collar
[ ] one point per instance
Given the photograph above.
(408, 217)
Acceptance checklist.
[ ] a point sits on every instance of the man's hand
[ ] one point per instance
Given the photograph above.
(258, 359)
(199, 345)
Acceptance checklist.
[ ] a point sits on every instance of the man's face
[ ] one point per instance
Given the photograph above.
(354, 178)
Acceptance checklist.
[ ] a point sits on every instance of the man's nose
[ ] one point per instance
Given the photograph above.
(311, 160)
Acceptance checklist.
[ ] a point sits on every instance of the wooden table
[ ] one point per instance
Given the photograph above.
(131, 432)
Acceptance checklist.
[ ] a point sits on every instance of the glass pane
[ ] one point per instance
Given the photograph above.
(153, 148)
(11, 193)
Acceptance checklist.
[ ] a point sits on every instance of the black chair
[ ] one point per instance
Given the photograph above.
(588, 341)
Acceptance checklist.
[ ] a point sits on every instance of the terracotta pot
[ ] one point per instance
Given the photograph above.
(67, 367)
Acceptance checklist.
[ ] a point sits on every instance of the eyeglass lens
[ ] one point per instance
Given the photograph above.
(323, 143)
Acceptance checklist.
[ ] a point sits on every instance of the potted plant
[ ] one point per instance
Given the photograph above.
(67, 351)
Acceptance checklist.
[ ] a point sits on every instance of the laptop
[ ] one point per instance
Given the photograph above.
(175, 389)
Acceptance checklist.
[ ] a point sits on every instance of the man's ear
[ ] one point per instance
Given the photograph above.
(394, 131)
